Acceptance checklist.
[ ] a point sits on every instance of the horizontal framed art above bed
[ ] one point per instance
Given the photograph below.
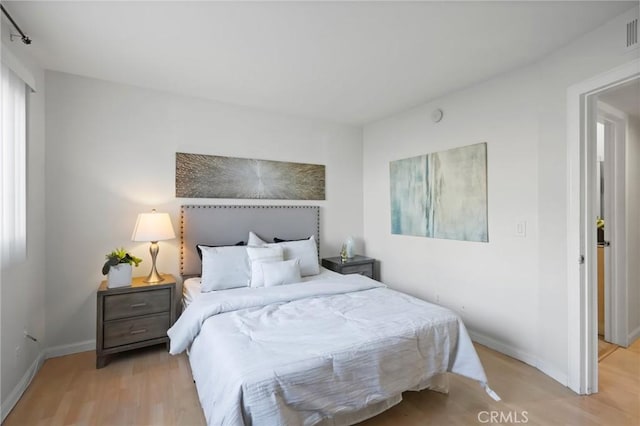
(229, 224)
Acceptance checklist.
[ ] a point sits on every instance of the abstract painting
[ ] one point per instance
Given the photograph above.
(213, 176)
(441, 195)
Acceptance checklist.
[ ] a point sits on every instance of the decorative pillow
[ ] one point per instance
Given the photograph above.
(279, 273)
(306, 251)
(280, 240)
(239, 243)
(259, 255)
(224, 267)
(255, 241)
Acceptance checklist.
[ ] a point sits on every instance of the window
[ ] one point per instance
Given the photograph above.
(13, 128)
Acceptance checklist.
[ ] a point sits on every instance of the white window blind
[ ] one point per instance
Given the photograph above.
(13, 179)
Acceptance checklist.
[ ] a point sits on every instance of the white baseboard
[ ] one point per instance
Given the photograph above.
(559, 376)
(72, 348)
(13, 398)
(633, 336)
(504, 348)
(527, 358)
(52, 352)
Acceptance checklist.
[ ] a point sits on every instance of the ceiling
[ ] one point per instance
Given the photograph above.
(625, 97)
(350, 62)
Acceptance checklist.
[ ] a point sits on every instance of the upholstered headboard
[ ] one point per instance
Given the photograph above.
(227, 225)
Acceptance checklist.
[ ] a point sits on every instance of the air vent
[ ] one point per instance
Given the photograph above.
(632, 34)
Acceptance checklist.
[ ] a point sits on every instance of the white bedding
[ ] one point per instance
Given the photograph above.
(191, 287)
(316, 352)
(190, 290)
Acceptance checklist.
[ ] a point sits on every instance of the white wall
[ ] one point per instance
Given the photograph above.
(490, 284)
(633, 226)
(512, 291)
(111, 155)
(22, 288)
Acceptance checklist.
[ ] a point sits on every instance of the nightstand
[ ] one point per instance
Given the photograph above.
(133, 317)
(356, 265)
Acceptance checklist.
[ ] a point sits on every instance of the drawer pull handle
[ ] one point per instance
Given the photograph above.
(138, 305)
(143, 330)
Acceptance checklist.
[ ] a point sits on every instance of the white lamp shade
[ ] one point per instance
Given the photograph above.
(153, 227)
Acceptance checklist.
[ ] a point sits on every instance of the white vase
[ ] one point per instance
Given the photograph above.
(119, 275)
(349, 247)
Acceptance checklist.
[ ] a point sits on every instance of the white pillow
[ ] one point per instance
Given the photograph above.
(306, 251)
(255, 241)
(279, 273)
(224, 267)
(258, 255)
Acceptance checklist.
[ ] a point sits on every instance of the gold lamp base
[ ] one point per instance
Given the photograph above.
(154, 276)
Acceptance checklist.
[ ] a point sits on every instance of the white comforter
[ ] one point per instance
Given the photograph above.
(316, 352)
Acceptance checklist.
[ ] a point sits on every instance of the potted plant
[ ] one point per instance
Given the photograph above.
(118, 267)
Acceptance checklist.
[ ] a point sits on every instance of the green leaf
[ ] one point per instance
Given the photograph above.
(117, 256)
(112, 261)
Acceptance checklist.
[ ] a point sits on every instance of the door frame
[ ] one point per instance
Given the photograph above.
(582, 345)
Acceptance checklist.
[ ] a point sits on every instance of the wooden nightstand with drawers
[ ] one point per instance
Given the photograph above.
(134, 316)
(356, 265)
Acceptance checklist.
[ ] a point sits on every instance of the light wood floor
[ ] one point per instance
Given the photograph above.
(150, 387)
(605, 348)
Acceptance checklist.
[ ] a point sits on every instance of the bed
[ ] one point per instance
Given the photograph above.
(323, 349)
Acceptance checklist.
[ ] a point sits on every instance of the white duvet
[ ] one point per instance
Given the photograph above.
(317, 352)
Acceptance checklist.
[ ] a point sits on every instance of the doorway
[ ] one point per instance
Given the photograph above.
(616, 107)
(583, 115)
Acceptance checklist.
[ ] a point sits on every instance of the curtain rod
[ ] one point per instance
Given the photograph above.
(25, 38)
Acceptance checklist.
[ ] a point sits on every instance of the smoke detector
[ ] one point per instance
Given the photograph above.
(436, 115)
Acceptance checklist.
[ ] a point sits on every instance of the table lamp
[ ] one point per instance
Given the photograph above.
(153, 227)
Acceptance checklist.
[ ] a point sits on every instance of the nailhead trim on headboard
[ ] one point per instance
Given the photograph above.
(195, 206)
